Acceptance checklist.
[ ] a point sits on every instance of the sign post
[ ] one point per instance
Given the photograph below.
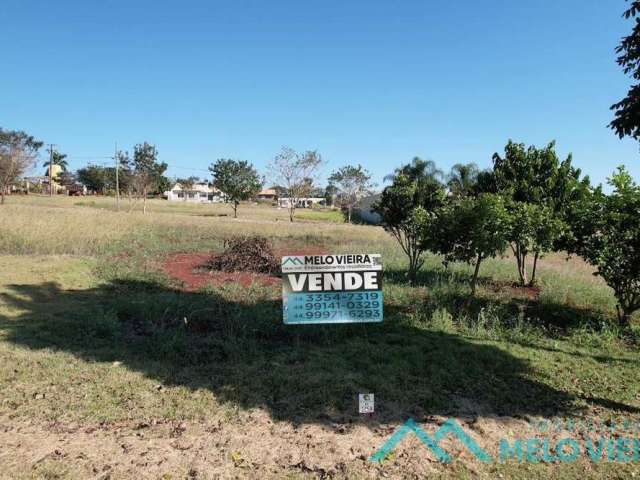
(332, 288)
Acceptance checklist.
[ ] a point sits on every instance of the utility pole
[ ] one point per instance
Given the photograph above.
(115, 157)
(51, 145)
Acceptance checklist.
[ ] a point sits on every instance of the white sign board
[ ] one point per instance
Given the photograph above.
(332, 288)
(365, 403)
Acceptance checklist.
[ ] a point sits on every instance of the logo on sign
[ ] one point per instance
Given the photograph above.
(292, 261)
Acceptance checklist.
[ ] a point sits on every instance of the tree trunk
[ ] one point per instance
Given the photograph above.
(523, 274)
(474, 280)
(624, 316)
(2, 196)
(235, 209)
(144, 202)
(533, 270)
(349, 215)
(412, 274)
(521, 259)
(292, 211)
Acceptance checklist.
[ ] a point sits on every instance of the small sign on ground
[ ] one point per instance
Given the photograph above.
(365, 403)
(332, 288)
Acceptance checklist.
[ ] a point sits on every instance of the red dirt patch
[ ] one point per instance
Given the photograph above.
(187, 268)
(190, 270)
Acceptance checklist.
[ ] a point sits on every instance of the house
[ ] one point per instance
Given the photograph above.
(267, 194)
(308, 202)
(199, 192)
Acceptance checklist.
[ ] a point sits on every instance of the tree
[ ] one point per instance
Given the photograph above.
(59, 159)
(534, 229)
(294, 172)
(330, 194)
(148, 173)
(405, 208)
(470, 230)
(237, 180)
(626, 120)
(462, 179)
(540, 190)
(418, 168)
(18, 153)
(66, 178)
(607, 235)
(125, 175)
(97, 178)
(352, 183)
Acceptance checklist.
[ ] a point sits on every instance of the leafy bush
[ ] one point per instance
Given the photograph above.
(470, 230)
(606, 231)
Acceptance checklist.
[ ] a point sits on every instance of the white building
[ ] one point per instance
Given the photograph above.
(309, 202)
(200, 192)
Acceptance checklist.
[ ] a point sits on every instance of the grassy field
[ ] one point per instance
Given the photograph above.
(109, 370)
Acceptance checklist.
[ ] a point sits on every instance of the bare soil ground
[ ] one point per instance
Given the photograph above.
(190, 270)
(254, 447)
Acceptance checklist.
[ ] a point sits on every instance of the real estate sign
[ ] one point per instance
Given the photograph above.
(332, 288)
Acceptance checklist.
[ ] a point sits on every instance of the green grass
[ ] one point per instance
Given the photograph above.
(91, 331)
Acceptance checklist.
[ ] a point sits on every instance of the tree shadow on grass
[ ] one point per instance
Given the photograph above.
(235, 345)
(518, 307)
(451, 289)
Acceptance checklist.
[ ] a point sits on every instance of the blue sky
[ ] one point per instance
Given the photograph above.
(370, 82)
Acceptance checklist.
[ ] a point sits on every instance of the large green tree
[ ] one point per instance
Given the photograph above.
(607, 235)
(540, 190)
(237, 180)
(626, 120)
(470, 229)
(97, 178)
(18, 153)
(407, 205)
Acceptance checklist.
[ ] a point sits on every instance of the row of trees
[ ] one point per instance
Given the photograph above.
(531, 202)
(136, 176)
(294, 174)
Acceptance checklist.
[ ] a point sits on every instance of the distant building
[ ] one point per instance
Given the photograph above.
(201, 192)
(309, 202)
(267, 194)
(363, 210)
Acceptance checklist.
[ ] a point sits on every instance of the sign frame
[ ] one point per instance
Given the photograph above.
(326, 289)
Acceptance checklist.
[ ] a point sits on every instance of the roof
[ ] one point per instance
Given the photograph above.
(203, 187)
(267, 191)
